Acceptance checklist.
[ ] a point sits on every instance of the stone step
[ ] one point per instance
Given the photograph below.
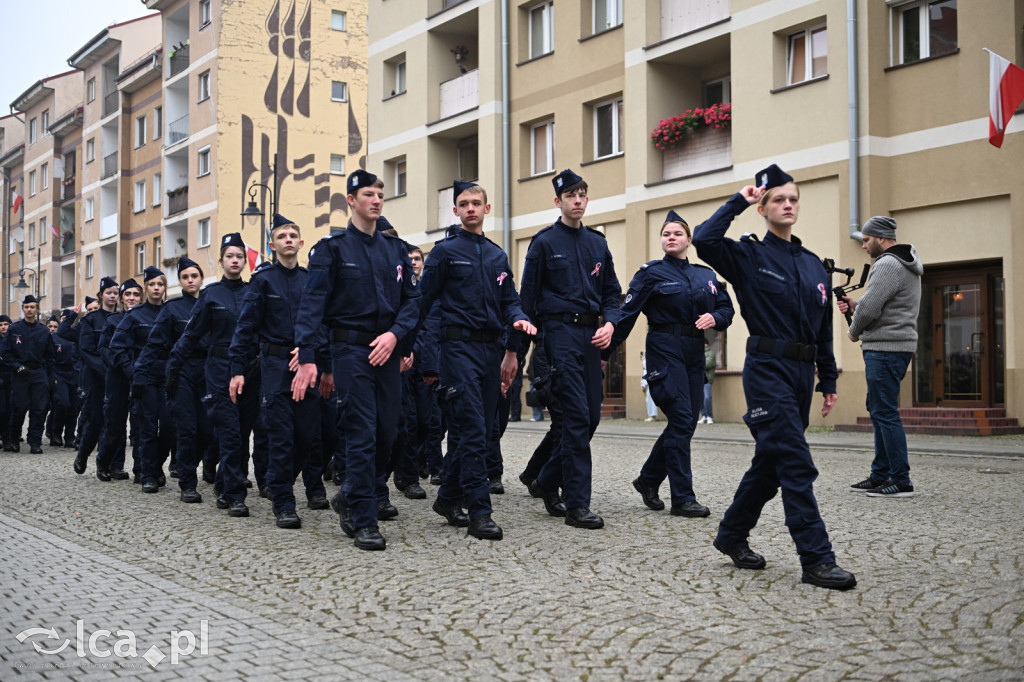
(949, 421)
(941, 430)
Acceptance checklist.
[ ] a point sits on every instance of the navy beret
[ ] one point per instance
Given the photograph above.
(107, 282)
(279, 221)
(772, 176)
(232, 239)
(565, 179)
(129, 284)
(4, 318)
(30, 299)
(458, 187)
(674, 217)
(360, 178)
(185, 262)
(90, 299)
(151, 272)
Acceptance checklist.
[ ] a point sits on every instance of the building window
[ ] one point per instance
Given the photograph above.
(140, 196)
(44, 119)
(399, 78)
(926, 29)
(32, 184)
(32, 131)
(205, 14)
(158, 122)
(90, 206)
(337, 164)
(140, 131)
(157, 189)
(90, 89)
(204, 86)
(542, 29)
(44, 172)
(158, 251)
(338, 20)
(88, 267)
(203, 233)
(140, 257)
(607, 14)
(542, 147)
(31, 235)
(469, 167)
(204, 161)
(807, 56)
(717, 91)
(400, 188)
(608, 128)
(42, 284)
(90, 151)
(339, 91)
(44, 229)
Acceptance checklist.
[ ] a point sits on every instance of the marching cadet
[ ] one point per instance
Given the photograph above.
(64, 407)
(93, 372)
(680, 300)
(190, 422)
(28, 351)
(472, 278)
(117, 397)
(266, 329)
(154, 425)
(5, 392)
(783, 292)
(360, 288)
(211, 326)
(568, 284)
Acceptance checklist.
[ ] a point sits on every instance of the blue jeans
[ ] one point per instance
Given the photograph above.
(707, 402)
(884, 372)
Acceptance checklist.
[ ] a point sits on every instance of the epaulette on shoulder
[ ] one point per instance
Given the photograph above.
(700, 265)
(750, 237)
(596, 231)
(260, 269)
(650, 263)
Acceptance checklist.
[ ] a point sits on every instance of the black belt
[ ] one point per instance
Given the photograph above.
(464, 334)
(677, 329)
(353, 336)
(579, 319)
(790, 350)
(277, 351)
(218, 351)
(32, 364)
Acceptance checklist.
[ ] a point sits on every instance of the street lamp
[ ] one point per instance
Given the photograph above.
(252, 213)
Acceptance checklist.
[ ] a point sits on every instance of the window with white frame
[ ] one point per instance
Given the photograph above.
(717, 91)
(42, 284)
(158, 122)
(608, 128)
(140, 257)
(926, 28)
(158, 251)
(338, 20)
(400, 177)
(807, 55)
(158, 189)
(90, 208)
(542, 147)
(44, 122)
(32, 183)
(339, 91)
(44, 173)
(33, 130)
(140, 196)
(44, 230)
(140, 131)
(31, 235)
(542, 29)
(205, 15)
(88, 267)
(607, 14)
(203, 233)
(90, 89)
(204, 161)
(204, 86)
(399, 77)
(90, 151)
(337, 164)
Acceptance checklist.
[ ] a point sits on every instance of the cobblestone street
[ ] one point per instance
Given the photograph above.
(939, 594)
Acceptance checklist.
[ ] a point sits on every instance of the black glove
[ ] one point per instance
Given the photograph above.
(22, 369)
(171, 383)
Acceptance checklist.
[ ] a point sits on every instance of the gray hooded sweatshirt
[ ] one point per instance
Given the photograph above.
(885, 317)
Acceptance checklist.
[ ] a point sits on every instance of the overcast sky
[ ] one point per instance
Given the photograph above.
(40, 35)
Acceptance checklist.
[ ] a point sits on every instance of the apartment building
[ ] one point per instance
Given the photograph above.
(874, 107)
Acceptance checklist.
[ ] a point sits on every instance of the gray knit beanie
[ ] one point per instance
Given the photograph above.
(880, 226)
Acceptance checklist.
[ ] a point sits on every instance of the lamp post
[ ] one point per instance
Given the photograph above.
(252, 213)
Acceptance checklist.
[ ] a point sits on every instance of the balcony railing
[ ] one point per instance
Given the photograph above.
(177, 131)
(178, 61)
(110, 102)
(460, 94)
(177, 200)
(682, 16)
(67, 189)
(108, 226)
(109, 165)
(700, 151)
(445, 201)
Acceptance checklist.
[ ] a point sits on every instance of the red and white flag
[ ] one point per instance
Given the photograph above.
(253, 256)
(1005, 92)
(54, 232)
(15, 201)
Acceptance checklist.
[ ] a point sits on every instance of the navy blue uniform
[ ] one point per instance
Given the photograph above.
(266, 327)
(116, 408)
(568, 282)
(784, 297)
(672, 294)
(211, 326)
(360, 286)
(64, 411)
(471, 277)
(94, 372)
(28, 352)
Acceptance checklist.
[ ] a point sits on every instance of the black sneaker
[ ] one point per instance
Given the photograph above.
(891, 489)
(865, 485)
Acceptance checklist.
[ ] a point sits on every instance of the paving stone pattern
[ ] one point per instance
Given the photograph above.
(939, 593)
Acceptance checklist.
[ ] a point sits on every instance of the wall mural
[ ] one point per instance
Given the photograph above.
(289, 43)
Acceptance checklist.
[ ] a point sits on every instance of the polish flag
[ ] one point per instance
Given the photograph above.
(15, 201)
(1005, 92)
(253, 256)
(54, 232)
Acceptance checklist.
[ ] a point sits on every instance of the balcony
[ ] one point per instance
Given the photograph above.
(177, 200)
(110, 102)
(108, 226)
(460, 94)
(109, 165)
(68, 187)
(684, 16)
(178, 61)
(703, 150)
(67, 240)
(177, 131)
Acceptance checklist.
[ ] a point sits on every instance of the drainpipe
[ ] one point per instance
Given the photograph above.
(854, 106)
(506, 170)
